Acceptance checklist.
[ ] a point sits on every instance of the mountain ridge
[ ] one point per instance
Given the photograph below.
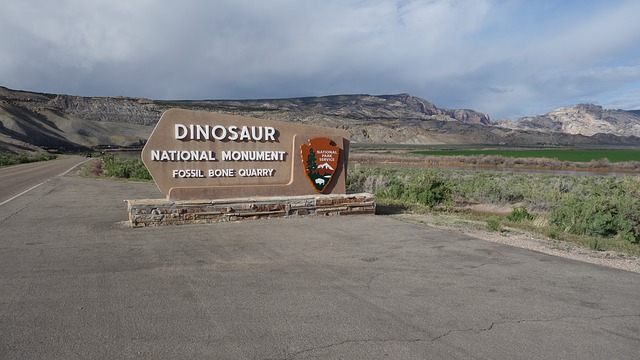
(29, 120)
(582, 119)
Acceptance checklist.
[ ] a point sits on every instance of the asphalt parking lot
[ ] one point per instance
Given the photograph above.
(76, 283)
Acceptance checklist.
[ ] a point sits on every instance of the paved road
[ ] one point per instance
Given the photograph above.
(19, 178)
(76, 284)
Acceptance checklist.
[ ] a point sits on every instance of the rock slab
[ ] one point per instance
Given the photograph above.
(154, 212)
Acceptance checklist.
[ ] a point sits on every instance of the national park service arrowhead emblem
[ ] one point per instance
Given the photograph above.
(320, 161)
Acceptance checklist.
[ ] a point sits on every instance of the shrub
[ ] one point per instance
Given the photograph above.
(494, 224)
(429, 190)
(598, 215)
(363, 179)
(125, 168)
(426, 189)
(553, 233)
(10, 159)
(394, 189)
(97, 167)
(584, 205)
(520, 213)
(595, 244)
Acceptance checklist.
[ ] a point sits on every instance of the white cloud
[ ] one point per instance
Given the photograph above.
(488, 55)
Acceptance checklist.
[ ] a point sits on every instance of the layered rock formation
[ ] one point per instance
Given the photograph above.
(582, 119)
(29, 120)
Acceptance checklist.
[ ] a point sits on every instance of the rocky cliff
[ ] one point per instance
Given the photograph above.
(582, 119)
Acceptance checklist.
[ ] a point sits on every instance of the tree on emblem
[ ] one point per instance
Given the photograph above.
(311, 162)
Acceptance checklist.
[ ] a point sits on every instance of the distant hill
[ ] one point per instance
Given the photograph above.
(582, 119)
(29, 120)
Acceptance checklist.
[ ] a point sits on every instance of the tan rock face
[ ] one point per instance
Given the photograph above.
(201, 155)
(583, 119)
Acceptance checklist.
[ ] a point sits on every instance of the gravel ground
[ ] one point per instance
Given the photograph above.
(535, 242)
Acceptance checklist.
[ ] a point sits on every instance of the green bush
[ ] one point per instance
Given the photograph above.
(494, 223)
(595, 244)
(125, 168)
(599, 215)
(394, 189)
(426, 189)
(366, 179)
(553, 233)
(520, 213)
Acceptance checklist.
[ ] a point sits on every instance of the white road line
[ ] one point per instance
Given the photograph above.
(22, 193)
(33, 187)
(73, 167)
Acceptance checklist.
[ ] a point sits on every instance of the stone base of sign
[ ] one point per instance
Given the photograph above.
(153, 212)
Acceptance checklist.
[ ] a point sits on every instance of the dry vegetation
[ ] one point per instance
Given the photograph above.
(489, 161)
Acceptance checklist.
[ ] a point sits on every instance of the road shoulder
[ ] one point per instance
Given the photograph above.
(529, 241)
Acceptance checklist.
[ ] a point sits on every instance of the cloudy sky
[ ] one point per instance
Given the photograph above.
(507, 58)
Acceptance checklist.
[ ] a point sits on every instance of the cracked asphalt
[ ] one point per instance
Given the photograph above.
(75, 284)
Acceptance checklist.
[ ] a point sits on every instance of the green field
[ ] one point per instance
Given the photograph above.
(586, 155)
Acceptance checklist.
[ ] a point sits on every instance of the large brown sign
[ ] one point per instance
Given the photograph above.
(195, 155)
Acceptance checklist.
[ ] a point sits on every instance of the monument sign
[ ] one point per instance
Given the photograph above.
(200, 155)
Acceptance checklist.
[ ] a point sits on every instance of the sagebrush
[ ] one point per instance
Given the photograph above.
(604, 206)
(124, 168)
